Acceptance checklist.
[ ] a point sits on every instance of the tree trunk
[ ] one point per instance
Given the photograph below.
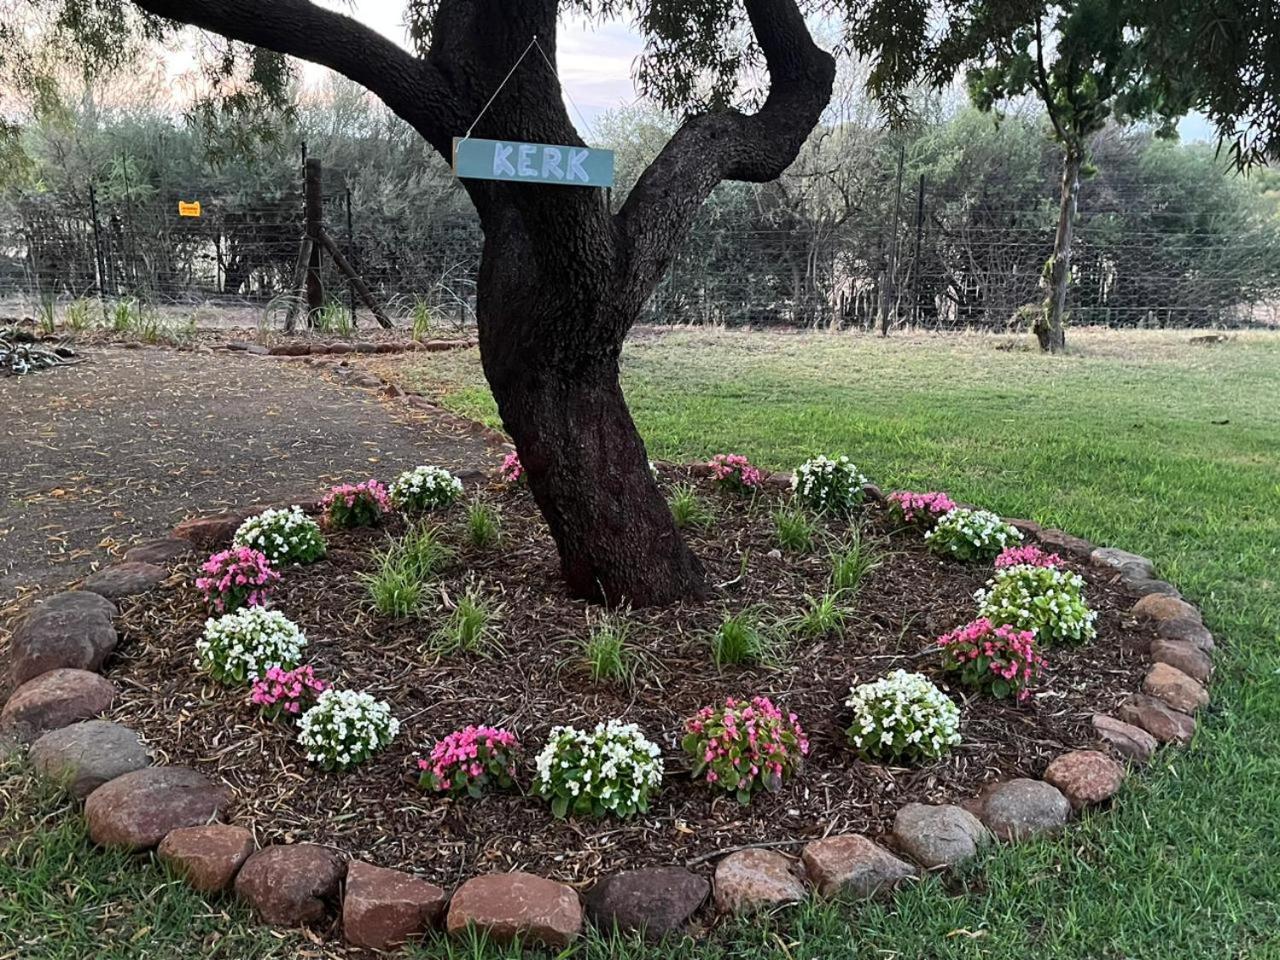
(1050, 327)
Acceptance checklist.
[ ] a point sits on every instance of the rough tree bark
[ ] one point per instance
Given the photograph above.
(1050, 327)
(561, 279)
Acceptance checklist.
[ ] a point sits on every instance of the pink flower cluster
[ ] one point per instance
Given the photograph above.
(1002, 660)
(236, 578)
(921, 509)
(281, 691)
(356, 504)
(511, 470)
(468, 760)
(735, 471)
(1030, 555)
(745, 746)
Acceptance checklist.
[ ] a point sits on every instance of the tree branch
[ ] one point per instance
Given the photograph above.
(412, 87)
(727, 144)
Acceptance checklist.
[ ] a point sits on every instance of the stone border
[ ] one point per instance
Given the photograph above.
(56, 693)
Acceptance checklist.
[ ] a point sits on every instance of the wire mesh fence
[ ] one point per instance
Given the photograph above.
(935, 260)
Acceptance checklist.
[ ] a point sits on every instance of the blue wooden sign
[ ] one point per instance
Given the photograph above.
(532, 162)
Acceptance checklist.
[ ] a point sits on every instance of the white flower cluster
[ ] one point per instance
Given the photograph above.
(242, 646)
(284, 535)
(611, 769)
(902, 717)
(425, 488)
(972, 534)
(346, 727)
(824, 484)
(1048, 600)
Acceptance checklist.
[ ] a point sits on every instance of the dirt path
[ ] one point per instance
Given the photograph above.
(118, 449)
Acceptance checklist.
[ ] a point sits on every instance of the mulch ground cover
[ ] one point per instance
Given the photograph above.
(536, 681)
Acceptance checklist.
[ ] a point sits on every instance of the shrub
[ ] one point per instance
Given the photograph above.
(902, 717)
(919, 509)
(425, 488)
(1030, 556)
(403, 569)
(744, 747)
(512, 470)
(470, 760)
(829, 486)
(1000, 660)
(469, 626)
(793, 529)
(346, 727)
(612, 769)
(688, 509)
(281, 692)
(971, 534)
(851, 563)
(421, 552)
(607, 654)
(484, 525)
(285, 536)
(355, 504)
(244, 645)
(739, 639)
(1047, 600)
(732, 471)
(236, 578)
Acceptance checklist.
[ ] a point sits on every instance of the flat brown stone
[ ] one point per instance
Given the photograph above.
(1185, 656)
(85, 755)
(209, 533)
(1168, 683)
(126, 579)
(1187, 629)
(71, 629)
(1023, 808)
(384, 909)
(290, 885)
(938, 836)
(656, 901)
(1064, 543)
(1157, 606)
(754, 879)
(1158, 719)
(1131, 565)
(1085, 777)
(137, 810)
(514, 905)
(54, 700)
(162, 551)
(1132, 743)
(852, 863)
(206, 857)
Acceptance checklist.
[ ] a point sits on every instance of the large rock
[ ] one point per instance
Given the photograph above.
(510, 905)
(656, 901)
(1066, 544)
(1185, 656)
(70, 629)
(125, 579)
(1188, 630)
(210, 533)
(137, 810)
(754, 879)
(1156, 606)
(938, 836)
(1131, 565)
(383, 909)
(1175, 688)
(291, 885)
(1021, 809)
(54, 700)
(852, 863)
(1141, 586)
(162, 551)
(1158, 719)
(206, 857)
(84, 756)
(1085, 777)
(1132, 743)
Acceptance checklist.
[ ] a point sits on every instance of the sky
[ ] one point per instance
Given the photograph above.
(595, 62)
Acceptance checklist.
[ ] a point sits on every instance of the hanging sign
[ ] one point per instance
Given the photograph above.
(191, 209)
(532, 163)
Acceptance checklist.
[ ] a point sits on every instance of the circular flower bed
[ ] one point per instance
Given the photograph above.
(478, 718)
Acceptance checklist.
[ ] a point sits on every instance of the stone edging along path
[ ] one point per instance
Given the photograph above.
(56, 694)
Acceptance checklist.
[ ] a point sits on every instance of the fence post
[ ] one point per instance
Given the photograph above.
(915, 264)
(888, 291)
(351, 257)
(312, 182)
(99, 263)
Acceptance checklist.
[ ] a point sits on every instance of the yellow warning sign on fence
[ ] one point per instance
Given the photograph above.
(191, 209)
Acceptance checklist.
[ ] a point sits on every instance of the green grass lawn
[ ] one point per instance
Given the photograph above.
(1141, 441)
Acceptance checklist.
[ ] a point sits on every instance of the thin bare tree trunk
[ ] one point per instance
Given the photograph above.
(1050, 327)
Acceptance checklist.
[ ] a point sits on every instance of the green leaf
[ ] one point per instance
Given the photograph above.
(559, 806)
